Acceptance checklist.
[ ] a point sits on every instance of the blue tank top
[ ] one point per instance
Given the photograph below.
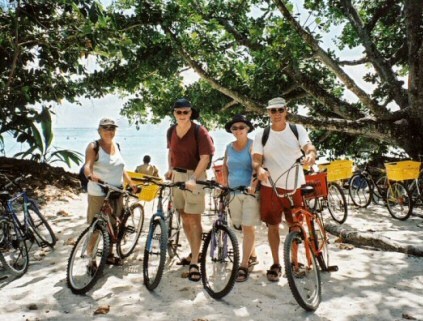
(239, 165)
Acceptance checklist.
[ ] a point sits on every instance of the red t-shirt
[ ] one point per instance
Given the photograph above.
(183, 151)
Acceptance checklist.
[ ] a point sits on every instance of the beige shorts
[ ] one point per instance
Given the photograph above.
(96, 202)
(244, 210)
(190, 202)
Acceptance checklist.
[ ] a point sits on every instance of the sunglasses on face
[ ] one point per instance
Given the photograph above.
(109, 128)
(182, 112)
(277, 110)
(238, 128)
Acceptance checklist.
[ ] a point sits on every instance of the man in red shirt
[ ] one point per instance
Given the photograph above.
(188, 158)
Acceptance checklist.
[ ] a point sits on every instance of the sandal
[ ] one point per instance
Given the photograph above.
(275, 272)
(251, 262)
(242, 274)
(114, 260)
(194, 273)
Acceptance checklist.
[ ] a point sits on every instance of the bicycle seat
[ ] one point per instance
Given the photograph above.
(4, 195)
(307, 189)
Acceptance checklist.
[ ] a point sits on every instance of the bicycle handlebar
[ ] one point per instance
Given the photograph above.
(212, 184)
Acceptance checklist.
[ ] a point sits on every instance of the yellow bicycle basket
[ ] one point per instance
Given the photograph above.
(148, 191)
(403, 170)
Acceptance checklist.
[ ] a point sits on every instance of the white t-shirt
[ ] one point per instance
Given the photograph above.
(109, 168)
(281, 151)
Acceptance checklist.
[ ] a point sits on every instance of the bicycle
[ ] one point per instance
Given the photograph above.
(21, 221)
(220, 260)
(335, 199)
(306, 242)
(92, 248)
(399, 197)
(363, 189)
(163, 234)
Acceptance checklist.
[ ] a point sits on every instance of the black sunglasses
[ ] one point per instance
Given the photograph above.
(238, 127)
(109, 128)
(182, 112)
(277, 110)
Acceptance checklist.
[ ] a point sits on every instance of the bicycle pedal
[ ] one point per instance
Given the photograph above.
(332, 268)
(130, 229)
(44, 245)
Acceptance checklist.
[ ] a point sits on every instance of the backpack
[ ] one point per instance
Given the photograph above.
(266, 133)
(82, 178)
(197, 130)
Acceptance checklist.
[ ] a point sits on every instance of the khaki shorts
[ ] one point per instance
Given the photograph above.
(244, 210)
(96, 202)
(190, 202)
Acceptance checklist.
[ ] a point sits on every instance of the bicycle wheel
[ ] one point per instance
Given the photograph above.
(174, 228)
(360, 190)
(44, 233)
(220, 261)
(337, 204)
(380, 189)
(398, 201)
(321, 242)
(13, 251)
(130, 231)
(417, 193)
(302, 272)
(155, 254)
(88, 258)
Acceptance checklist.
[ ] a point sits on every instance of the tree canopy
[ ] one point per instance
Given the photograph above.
(246, 52)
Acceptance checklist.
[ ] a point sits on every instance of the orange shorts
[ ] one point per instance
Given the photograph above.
(272, 206)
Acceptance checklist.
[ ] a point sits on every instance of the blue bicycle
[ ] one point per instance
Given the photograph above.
(21, 222)
(163, 234)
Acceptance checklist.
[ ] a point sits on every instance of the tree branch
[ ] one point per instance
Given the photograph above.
(250, 105)
(16, 45)
(354, 62)
(384, 71)
(332, 64)
(381, 12)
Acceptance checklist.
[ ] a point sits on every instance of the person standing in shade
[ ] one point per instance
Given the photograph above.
(280, 152)
(104, 161)
(190, 148)
(244, 208)
(146, 168)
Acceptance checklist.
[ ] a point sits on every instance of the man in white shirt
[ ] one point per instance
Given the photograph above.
(280, 152)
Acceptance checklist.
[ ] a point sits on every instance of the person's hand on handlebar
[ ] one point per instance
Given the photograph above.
(262, 174)
(190, 184)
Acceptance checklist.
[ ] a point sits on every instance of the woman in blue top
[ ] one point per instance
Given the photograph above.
(238, 171)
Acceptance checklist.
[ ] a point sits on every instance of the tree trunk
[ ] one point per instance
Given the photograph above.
(365, 239)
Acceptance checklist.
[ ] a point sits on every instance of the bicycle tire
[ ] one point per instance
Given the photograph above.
(131, 228)
(81, 275)
(337, 204)
(360, 190)
(379, 190)
(302, 273)
(13, 250)
(174, 230)
(220, 261)
(320, 242)
(40, 226)
(155, 254)
(398, 201)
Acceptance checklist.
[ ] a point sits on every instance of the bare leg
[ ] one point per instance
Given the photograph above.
(193, 230)
(248, 244)
(274, 241)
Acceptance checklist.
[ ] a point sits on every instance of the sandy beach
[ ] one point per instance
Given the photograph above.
(370, 284)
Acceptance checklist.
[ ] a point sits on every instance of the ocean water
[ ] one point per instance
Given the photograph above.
(134, 144)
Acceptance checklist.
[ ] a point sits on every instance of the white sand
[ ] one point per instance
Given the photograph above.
(370, 285)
